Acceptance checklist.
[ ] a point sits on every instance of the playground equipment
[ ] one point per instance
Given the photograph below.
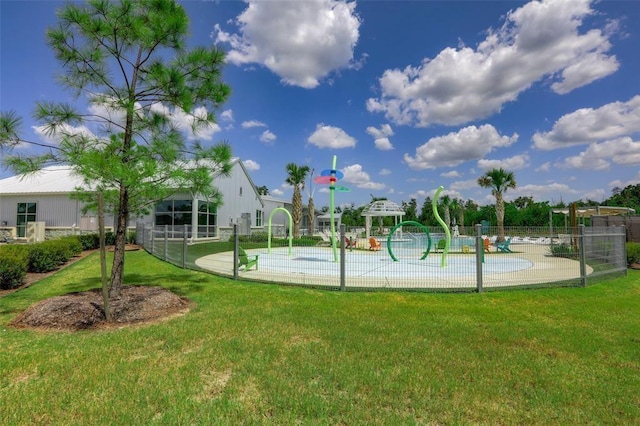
(447, 233)
(331, 176)
(290, 229)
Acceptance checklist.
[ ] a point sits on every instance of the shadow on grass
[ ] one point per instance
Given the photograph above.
(180, 284)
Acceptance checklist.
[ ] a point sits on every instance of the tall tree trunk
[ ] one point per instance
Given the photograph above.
(117, 271)
(500, 216)
(297, 212)
(311, 214)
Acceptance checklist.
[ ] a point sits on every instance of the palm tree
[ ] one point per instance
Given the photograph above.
(499, 180)
(296, 177)
(311, 208)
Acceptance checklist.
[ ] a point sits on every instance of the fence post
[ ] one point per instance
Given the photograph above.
(342, 257)
(166, 242)
(582, 255)
(153, 240)
(235, 251)
(185, 250)
(479, 257)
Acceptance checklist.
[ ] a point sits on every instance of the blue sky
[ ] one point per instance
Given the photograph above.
(409, 95)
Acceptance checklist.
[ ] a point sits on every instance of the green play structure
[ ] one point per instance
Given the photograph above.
(447, 233)
(290, 229)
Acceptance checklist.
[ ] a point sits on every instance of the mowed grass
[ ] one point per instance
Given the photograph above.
(252, 353)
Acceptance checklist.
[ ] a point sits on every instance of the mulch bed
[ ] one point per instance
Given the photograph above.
(85, 310)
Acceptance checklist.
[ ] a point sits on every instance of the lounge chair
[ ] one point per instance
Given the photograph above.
(441, 245)
(349, 243)
(246, 260)
(374, 245)
(504, 246)
(487, 245)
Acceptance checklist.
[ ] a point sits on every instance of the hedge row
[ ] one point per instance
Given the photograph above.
(18, 259)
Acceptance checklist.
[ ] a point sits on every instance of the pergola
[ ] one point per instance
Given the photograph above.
(381, 208)
(583, 212)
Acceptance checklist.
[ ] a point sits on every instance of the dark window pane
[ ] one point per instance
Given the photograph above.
(163, 219)
(182, 219)
(182, 205)
(31, 208)
(164, 206)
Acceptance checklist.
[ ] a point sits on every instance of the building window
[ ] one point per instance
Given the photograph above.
(26, 213)
(241, 191)
(207, 220)
(259, 217)
(173, 212)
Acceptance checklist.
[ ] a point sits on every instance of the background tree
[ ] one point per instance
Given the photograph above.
(127, 61)
(263, 190)
(296, 176)
(426, 213)
(311, 208)
(445, 203)
(410, 210)
(499, 180)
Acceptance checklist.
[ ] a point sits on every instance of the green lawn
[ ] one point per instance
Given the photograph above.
(262, 354)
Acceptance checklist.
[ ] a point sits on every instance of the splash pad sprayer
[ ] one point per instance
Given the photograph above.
(330, 177)
(434, 205)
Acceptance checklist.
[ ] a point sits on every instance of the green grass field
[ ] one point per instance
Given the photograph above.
(265, 354)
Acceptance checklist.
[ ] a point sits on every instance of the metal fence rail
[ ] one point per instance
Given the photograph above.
(410, 260)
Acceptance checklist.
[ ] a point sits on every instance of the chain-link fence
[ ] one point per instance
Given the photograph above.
(415, 258)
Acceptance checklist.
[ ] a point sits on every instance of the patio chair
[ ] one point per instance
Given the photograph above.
(504, 246)
(349, 243)
(487, 245)
(441, 245)
(246, 260)
(374, 245)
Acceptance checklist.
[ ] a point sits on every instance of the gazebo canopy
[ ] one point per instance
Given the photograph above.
(383, 208)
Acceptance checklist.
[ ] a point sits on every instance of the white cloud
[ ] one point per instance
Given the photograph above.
(623, 151)
(356, 175)
(384, 172)
(381, 137)
(469, 143)
(189, 123)
(60, 132)
(252, 123)
(536, 41)
(277, 192)
(588, 125)
(300, 41)
(544, 167)
(267, 137)
(451, 174)
(541, 192)
(596, 195)
(516, 162)
(227, 115)
(331, 137)
(251, 165)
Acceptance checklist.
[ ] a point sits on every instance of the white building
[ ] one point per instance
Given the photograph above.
(39, 206)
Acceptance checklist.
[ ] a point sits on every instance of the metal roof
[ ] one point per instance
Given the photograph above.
(383, 208)
(50, 180)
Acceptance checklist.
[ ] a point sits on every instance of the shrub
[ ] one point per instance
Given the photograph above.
(109, 238)
(89, 241)
(131, 237)
(14, 261)
(257, 237)
(73, 245)
(48, 255)
(563, 250)
(633, 253)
